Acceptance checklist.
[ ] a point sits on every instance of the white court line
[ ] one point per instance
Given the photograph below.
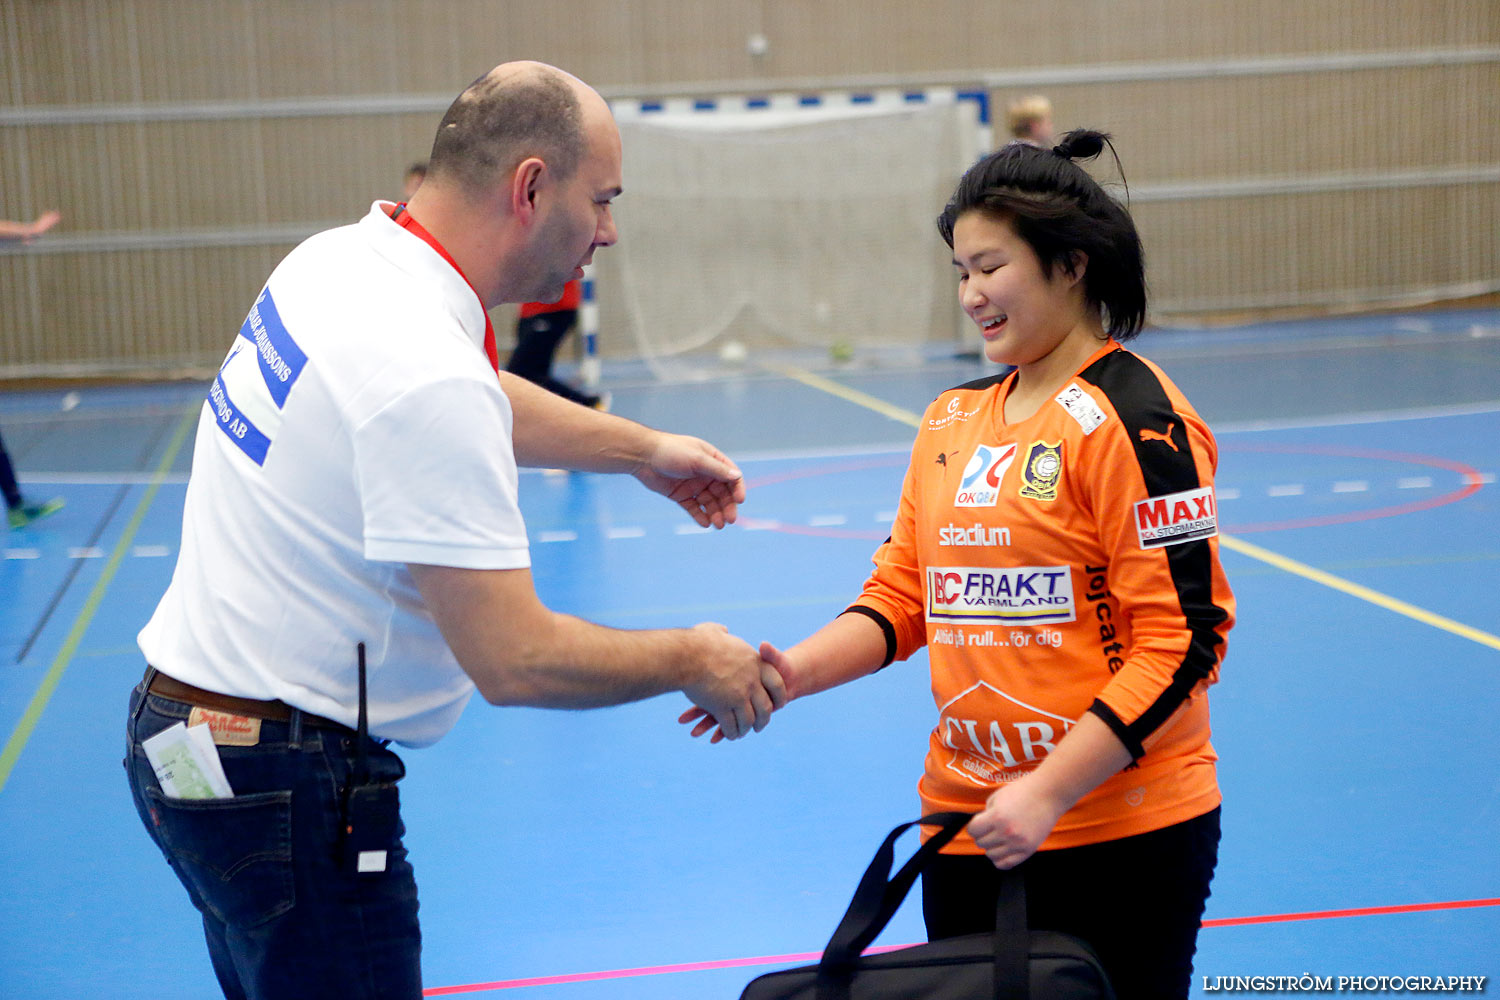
(1350, 419)
(100, 478)
(139, 551)
(887, 448)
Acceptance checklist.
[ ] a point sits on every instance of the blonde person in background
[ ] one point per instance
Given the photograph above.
(19, 512)
(1030, 120)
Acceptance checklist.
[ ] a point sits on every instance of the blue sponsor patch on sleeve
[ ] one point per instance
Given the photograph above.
(281, 360)
(233, 422)
(248, 396)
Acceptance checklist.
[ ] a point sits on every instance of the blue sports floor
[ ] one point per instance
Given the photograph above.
(572, 856)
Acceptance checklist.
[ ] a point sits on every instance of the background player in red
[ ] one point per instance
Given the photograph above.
(540, 328)
(1055, 549)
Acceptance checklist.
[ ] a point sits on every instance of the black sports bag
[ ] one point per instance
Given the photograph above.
(1013, 963)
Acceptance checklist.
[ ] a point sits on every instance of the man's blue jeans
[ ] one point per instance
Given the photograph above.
(284, 914)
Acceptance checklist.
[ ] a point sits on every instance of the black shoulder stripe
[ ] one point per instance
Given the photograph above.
(1154, 427)
(886, 627)
(1166, 461)
(980, 383)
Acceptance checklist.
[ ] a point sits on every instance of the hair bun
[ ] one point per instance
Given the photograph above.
(1081, 144)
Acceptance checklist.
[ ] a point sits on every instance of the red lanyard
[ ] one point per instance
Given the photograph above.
(402, 218)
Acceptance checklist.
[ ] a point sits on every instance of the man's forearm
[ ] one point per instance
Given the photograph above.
(550, 431)
(572, 663)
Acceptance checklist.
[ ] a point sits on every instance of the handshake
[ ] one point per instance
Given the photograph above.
(735, 687)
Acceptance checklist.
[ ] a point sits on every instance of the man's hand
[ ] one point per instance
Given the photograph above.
(736, 690)
(697, 476)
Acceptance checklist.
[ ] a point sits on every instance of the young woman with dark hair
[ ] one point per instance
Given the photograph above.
(1055, 549)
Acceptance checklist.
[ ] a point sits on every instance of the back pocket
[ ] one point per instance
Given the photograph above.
(235, 855)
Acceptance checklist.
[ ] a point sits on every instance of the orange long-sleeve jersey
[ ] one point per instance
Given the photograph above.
(1064, 564)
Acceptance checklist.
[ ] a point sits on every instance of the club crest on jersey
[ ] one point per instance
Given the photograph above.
(1041, 471)
(980, 484)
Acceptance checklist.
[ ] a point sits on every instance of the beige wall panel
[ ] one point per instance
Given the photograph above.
(1318, 248)
(1285, 125)
(170, 307)
(810, 38)
(74, 52)
(332, 168)
(82, 51)
(194, 51)
(84, 171)
(1153, 30)
(20, 316)
(327, 48)
(1202, 252)
(148, 176)
(681, 40)
(18, 195)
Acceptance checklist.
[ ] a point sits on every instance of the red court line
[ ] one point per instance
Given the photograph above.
(807, 957)
(1367, 911)
(650, 970)
(1470, 476)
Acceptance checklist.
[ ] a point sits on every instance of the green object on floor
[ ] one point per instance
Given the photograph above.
(24, 514)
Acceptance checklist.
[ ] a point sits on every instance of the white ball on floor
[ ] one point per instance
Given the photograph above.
(70, 401)
(733, 353)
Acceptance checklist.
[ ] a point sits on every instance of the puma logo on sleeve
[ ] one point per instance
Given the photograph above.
(1147, 434)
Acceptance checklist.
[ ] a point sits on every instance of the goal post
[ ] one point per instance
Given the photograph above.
(783, 224)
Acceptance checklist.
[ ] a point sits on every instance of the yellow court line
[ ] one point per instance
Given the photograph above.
(1356, 590)
(1245, 548)
(44, 692)
(844, 392)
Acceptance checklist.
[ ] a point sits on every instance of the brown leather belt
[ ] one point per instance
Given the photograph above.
(275, 711)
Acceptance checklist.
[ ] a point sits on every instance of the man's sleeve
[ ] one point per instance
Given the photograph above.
(437, 479)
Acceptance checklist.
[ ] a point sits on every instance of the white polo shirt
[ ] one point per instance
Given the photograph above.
(356, 426)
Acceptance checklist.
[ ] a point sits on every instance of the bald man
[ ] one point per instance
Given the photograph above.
(354, 564)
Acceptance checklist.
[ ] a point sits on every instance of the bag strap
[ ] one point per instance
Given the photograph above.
(880, 895)
(1012, 938)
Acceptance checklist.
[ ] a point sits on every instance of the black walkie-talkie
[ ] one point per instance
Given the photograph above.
(372, 811)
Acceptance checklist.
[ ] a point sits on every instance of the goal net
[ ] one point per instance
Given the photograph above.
(769, 231)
